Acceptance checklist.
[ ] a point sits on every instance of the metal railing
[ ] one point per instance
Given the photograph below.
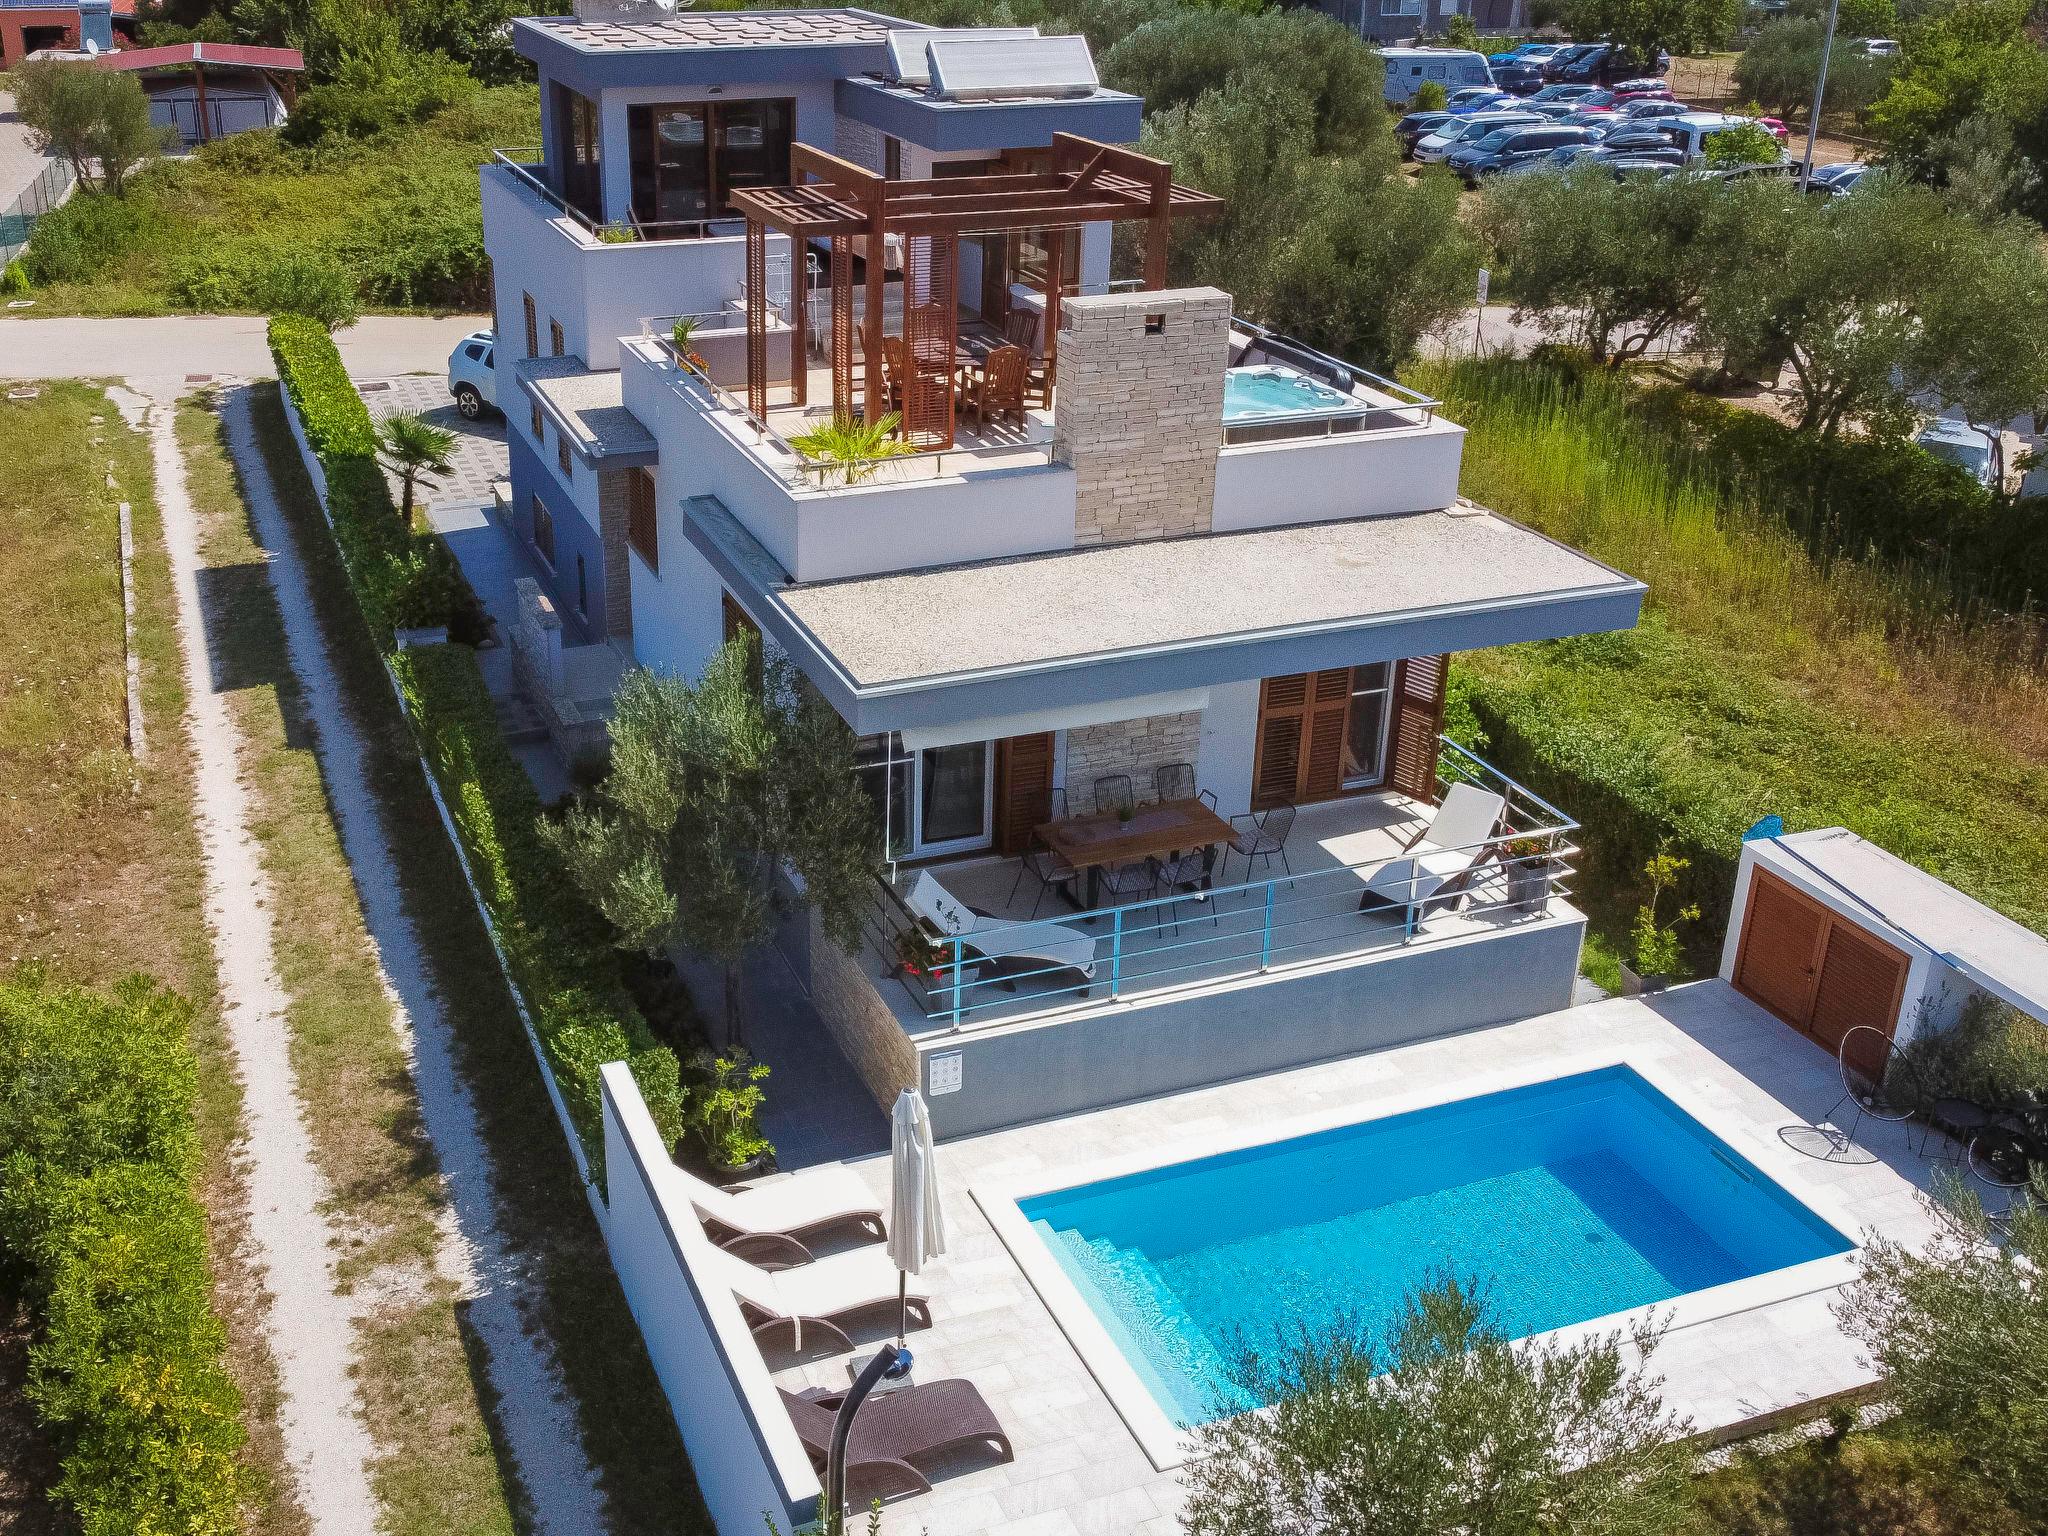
(18, 219)
(1236, 930)
(1404, 407)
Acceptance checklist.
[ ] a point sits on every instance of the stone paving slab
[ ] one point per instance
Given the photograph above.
(1078, 1469)
(481, 457)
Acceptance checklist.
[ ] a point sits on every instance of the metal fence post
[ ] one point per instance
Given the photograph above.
(1116, 954)
(1266, 934)
(956, 981)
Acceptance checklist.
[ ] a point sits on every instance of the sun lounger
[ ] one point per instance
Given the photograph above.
(1440, 860)
(894, 1430)
(817, 1295)
(782, 1210)
(994, 939)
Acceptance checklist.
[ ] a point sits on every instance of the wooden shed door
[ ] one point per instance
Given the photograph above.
(1023, 789)
(1815, 969)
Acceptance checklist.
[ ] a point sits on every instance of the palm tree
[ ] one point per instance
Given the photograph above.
(413, 448)
(850, 447)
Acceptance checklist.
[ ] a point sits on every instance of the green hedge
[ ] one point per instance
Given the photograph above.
(559, 949)
(101, 1233)
(402, 579)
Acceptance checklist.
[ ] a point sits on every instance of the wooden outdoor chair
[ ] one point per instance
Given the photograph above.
(995, 390)
(1021, 330)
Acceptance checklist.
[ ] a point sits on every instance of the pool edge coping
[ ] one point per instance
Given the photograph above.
(1168, 1445)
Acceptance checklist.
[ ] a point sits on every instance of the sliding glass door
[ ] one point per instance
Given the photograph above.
(933, 801)
(690, 157)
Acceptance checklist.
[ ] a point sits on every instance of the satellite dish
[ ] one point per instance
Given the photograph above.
(92, 47)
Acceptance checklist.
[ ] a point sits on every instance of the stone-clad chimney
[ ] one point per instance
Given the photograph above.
(1139, 410)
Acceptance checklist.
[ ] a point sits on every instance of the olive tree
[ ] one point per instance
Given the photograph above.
(716, 788)
(1617, 265)
(1961, 1332)
(97, 119)
(1885, 296)
(1445, 1429)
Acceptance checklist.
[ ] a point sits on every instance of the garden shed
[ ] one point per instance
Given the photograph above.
(1830, 931)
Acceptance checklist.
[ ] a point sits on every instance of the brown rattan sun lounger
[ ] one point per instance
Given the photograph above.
(897, 1429)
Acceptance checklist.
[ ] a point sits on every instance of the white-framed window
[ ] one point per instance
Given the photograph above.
(1365, 724)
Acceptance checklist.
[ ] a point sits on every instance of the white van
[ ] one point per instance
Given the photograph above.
(1689, 131)
(1408, 68)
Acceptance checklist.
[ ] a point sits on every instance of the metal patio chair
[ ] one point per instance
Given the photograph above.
(1113, 790)
(1184, 874)
(1043, 863)
(1263, 835)
(1878, 1079)
(1174, 781)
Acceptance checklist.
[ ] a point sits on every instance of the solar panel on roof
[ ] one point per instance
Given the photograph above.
(985, 69)
(907, 62)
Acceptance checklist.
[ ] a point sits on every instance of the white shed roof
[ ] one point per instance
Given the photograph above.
(1998, 954)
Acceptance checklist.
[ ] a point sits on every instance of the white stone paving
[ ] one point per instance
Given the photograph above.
(1078, 1468)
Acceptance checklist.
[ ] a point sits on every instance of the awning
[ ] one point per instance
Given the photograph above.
(1067, 718)
(1035, 635)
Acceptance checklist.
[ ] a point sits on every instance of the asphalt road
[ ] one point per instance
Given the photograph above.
(176, 346)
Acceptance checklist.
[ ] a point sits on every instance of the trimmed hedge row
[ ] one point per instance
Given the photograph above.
(557, 947)
(100, 1231)
(402, 579)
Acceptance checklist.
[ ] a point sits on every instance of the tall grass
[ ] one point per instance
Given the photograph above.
(1575, 459)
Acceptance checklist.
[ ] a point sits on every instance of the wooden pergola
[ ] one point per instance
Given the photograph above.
(839, 202)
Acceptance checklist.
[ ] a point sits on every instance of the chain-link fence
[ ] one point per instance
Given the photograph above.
(18, 219)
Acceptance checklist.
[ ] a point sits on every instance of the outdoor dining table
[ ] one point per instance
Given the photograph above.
(1093, 842)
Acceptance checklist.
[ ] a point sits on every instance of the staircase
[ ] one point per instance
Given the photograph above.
(518, 720)
(1141, 1312)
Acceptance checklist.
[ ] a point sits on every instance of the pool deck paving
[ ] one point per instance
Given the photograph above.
(1080, 1470)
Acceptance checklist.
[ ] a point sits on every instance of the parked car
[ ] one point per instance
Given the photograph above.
(1560, 92)
(1837, 180)
(1558, 63)
(1777, 126)
(1416, 126)
(1881, 47)
(1689, 131)
(1601, 119)
(1526, 53)
(1551, 111)
(1470, 98)
(1506, 147)
(1605, 63)
(1648, 111)
(471, 379)
(1468, 130)
(1977, 451)
(1630, 138)
(1646, 163)
(1408, 69)
(1626, 91)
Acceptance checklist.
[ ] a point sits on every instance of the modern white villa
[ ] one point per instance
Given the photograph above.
(1223, 974)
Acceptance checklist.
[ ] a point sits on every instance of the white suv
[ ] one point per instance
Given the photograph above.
(471, 379)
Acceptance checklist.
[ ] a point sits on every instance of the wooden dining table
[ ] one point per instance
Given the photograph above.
(1094, 842)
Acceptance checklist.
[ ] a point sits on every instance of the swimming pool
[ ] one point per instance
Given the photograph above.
(1267, 391)
(1572, 1199)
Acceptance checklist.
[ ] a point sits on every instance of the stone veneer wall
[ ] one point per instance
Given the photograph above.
(1135, 747)
(1139, 413)
(611, 532)
(844, 991)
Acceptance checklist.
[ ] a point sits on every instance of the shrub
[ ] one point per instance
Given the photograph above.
(98, 1225)
(378, 89)
(1748, 144)
(1430, 96)
(402, 580)
(84, 237)
(268, 279)
(1989, 1055)
(558, 949)
(425, 247)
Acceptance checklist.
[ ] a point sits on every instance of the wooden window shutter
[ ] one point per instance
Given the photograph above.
(1323, 771)
(1023, 789)
(532, 333)
(641, 530)
(1418, 721)
(1276, 772)
(1778, 958)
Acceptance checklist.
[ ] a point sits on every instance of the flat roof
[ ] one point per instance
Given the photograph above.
(1108, 621)
(2004, 957)
(721, 29)
(590, 407)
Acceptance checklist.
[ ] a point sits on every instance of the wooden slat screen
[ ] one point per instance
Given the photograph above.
(1023, 789)
(1779, 954)
(641, 531)
(1323, 769)
(1418, 700)
(757, 319)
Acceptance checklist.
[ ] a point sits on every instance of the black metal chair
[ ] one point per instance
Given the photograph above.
(1174, 781)
(1113, 790)
(1183, 874)
(1118, 883)
(1263, 835)
(1043, 863)
(1878, 1079)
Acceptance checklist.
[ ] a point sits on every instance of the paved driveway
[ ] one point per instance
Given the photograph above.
(480, 454)
(19, 163)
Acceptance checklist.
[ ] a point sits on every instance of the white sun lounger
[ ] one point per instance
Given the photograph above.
(817, 1294)
(781, 1209)
(1053, 944)
(1437, 865)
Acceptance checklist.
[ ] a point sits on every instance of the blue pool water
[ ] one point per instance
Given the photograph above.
(1569, 1199)
(1266, 390)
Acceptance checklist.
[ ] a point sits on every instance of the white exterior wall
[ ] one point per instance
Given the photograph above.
(1229, 727)
(1322, 479)
(677, 625)
(747, 1458)
(1935, 993)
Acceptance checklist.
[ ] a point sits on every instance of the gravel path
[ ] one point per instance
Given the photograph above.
(534, 1415)
(309, 1325)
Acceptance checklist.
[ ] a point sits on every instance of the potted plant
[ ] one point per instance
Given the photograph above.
(1659, 957)
(1529, 870)
(851, 448)
(683, 336)
(725, 1113)
(919, 953)
(1124, 812)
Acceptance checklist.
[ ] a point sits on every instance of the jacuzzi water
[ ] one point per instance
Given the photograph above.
(1266, 389)
(1568, 1200)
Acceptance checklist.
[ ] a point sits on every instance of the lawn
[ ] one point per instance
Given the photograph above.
(1758, 683)
(103, 875)
(233, 227)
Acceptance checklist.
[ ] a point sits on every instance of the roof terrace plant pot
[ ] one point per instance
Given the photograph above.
(1633, 985)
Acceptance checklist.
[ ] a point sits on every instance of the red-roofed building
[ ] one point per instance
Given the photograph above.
(27, 26)
(209, 90)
